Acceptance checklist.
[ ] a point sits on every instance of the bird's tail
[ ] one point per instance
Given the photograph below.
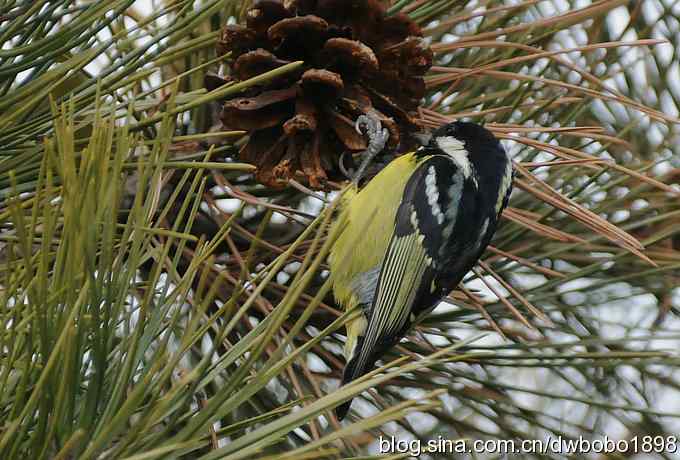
(342, 409)
(353, 372)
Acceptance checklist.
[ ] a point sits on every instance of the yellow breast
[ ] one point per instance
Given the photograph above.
(368, 219)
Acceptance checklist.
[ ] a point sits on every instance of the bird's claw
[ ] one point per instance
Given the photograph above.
(367, 123)
(377, 135)
(377, 138)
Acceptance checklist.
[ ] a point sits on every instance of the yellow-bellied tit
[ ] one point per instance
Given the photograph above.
(412, 233)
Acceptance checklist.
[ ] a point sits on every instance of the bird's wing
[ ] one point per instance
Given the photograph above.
(424, 223)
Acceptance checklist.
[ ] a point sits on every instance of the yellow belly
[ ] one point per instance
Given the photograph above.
(368, 219)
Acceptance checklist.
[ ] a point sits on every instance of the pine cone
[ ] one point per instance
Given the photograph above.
(357, 60)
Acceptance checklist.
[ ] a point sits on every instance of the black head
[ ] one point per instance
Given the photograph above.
(466, 132)
(477, 143)
(473, 148)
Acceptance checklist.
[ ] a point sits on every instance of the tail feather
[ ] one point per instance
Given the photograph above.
(342, 409)
(352, 373)
(347, 376)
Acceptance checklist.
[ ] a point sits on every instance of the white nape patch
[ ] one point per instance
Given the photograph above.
(456, 150)
(433, 194)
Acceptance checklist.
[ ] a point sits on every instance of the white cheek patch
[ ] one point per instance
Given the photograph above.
(456, 150)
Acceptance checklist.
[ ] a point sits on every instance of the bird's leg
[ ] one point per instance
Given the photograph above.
(377, 138)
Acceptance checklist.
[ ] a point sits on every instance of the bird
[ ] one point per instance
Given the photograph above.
(411, 234)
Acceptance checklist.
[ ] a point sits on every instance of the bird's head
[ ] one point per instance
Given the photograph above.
(472, 147)
(473, 137)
